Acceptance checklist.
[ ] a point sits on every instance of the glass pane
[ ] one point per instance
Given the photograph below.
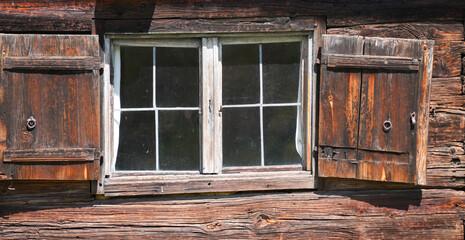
(177, 77)
(241, 74)
(279, 124)
(179, 140)
(241, 137)
(281, 63)
(136, 149)
(136, 77)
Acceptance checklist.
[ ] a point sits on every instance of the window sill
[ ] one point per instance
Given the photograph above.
(136, 185)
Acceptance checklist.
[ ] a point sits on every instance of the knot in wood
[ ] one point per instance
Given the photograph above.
(214, 226)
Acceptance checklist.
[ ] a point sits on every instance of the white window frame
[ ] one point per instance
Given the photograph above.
(218, 178)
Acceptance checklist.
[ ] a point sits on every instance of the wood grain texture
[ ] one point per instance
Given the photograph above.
(179, 184)
(340, 13)
(233, 25)
(448, 36)
(445, 161)
(404, 19)
(50, 155)
(77, 15)
(389, 96)
(386, 95)
(51, 63)
(31, 192)
(339, 96)
(446, 155)
(371, 62)
(46, 16)
(397, 214)
(65, 104)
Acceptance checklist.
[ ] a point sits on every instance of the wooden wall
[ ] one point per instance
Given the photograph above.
(401, 214)
(67, 209)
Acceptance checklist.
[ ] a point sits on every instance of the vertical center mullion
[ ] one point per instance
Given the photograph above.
(154, 99)
(262, 148)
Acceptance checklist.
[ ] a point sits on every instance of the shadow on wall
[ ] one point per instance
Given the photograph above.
(392, 199)
(125, 15)
(118, 16)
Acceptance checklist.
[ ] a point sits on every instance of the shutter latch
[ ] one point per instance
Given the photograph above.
(413, 119)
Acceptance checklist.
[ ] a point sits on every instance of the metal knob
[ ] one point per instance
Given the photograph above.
(387, 126)
(31, 123)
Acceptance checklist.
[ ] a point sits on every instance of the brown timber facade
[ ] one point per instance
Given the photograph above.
(357, 182)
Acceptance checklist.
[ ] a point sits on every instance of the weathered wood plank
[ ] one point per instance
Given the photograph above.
(425, 214)
(52, 63)
(77, 15)
(179, 184)
(447, 96)
(370, 62)
(29, 192)
(264, 24)
(339, 109)
(448, 36)
(340, 13)
(446, 126)
(446, 154)
(50, 155)
(339, 96)
(438, 30)
(46, 16)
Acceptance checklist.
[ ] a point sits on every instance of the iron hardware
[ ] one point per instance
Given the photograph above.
(413, 119)
(387, 126)
(31, 123)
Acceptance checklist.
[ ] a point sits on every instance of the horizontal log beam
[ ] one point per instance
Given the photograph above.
(77, 15)
(236, 25)
(397, 214)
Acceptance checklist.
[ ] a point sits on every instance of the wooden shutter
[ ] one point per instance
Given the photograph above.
(374, 102)
(53, 79)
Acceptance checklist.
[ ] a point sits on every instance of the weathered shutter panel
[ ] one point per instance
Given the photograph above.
(53, 79)
(374, 100)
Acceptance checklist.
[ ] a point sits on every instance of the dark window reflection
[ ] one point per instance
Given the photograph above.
(241, 137)
(136, 77)
(177, 76)
(281, 63)
(179, 140)
(279, 124)
(136, 149)
(241, 74)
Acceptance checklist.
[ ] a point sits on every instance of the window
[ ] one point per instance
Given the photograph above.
(156, 108)
(209, 107)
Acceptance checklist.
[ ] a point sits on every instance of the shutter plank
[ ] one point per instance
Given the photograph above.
(54, 63)
(339, 107)
(66, 104)
(388, 96)
(339, 96)
(371, 62)
(50, 155)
